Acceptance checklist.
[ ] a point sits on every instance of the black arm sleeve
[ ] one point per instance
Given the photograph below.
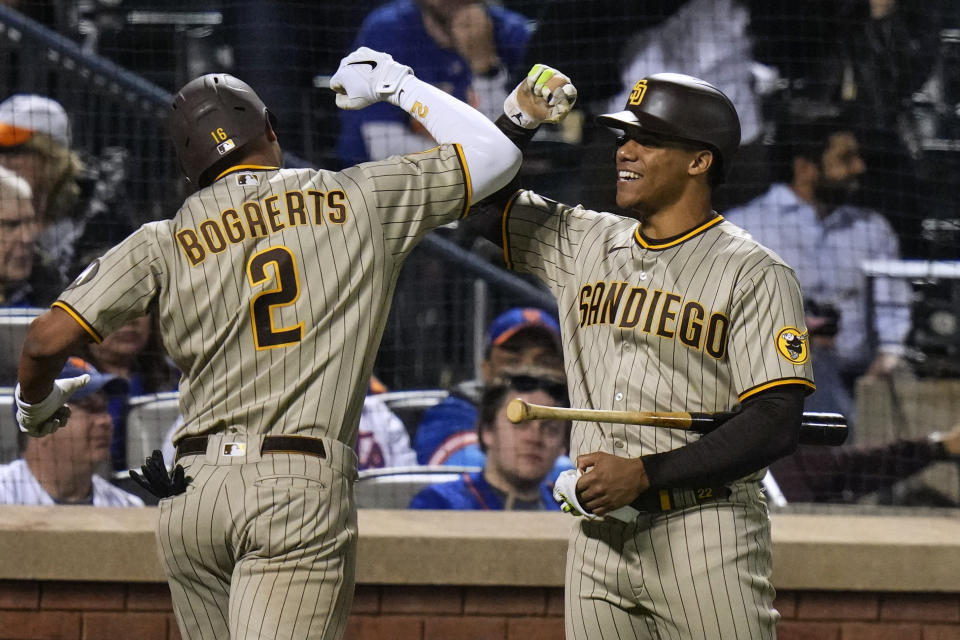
(484, 219)
(767, 428)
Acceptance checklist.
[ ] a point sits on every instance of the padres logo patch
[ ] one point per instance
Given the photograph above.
(639, 90)
(792, 345)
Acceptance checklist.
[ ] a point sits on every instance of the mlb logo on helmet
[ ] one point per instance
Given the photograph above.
(225, 147)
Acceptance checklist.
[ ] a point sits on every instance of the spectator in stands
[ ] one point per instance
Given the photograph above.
(35, 144)
(844, 474)
(134, 353)
(18, 231)
(465, 47)
(811, 221)
(519, 457)
(79, 203)
(60, 468)
(518, 337)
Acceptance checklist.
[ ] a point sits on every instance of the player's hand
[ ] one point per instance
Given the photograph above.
(367, 76)
(545, 95)
(565, 493)
(609, 482)
(48, 415)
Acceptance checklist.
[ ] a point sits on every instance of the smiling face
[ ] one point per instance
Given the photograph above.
(654, 173)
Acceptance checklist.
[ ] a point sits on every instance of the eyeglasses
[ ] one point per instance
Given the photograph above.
(525, 383)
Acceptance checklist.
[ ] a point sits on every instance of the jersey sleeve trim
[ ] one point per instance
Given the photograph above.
(503, 229)
(777, 383)
(468, 183)
(76, 316)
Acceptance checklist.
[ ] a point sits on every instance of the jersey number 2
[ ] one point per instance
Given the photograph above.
(274, 266)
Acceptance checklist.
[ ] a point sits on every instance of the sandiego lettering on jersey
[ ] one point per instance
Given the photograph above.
(663, 313)
(259, 219)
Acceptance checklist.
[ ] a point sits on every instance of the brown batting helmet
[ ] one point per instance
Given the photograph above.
(684, 108)
(212, 116)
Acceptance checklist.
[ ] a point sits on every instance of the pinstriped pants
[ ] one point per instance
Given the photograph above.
(701, 573)
(262, 547)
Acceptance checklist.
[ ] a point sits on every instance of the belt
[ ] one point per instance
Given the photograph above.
(194, 445)
(671, 499)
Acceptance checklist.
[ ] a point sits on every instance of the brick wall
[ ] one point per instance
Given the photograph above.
(31, 610)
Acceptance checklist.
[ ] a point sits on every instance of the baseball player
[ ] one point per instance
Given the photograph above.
(272, 287)
(667, 307)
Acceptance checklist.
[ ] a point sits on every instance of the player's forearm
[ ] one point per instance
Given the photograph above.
(766, 429)
(492, 159)
(50, 340)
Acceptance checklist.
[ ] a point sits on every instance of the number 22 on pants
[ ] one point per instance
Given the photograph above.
(275, 270)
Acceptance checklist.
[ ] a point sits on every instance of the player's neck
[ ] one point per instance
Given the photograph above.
(671, 222)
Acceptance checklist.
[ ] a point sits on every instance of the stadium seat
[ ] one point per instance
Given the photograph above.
(410, 405)
(393, 488)
(13, 327)
(8, 426)
(148, 422)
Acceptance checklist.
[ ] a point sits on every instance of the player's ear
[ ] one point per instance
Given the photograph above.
(701, 162)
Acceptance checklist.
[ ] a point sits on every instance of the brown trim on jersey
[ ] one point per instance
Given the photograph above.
(777, 383)
(76, 316)
(672, 242)
(468, 183)
(247, 167)
(503, 228)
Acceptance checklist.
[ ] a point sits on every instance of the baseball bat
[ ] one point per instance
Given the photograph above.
(816, 428)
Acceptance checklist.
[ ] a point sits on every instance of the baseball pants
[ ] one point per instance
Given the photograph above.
(699, 573)
(261, 546)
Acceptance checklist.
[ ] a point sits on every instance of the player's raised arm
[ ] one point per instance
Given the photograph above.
(367, 76)
(545, 95)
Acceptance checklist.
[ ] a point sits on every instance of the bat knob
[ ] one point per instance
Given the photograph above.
(516, 410)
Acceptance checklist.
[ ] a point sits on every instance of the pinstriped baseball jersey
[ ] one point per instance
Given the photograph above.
(698, 322)
(273, 287)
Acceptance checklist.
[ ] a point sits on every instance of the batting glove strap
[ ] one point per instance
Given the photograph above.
(541, 104)
(367, 76)
(565, 493)
(48, 415)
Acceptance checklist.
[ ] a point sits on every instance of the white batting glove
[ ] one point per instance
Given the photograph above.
(545, 95)
(48, 415)
(367, 76)
(565, 493)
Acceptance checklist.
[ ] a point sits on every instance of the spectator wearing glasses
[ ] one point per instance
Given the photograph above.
(18, 232)
(519, 337)
(519, 457)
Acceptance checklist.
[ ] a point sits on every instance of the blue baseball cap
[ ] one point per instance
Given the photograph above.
(510, 322)
(98, 381)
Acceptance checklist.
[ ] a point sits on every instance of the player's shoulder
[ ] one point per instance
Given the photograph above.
(526, 199)
(739, 242)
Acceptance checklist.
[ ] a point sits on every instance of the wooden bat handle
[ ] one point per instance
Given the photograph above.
(521, 411)
(816, 428)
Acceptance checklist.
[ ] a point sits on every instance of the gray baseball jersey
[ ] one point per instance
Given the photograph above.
(699, 322)
(272, 287)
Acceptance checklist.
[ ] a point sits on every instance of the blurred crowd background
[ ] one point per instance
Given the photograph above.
(84, 159)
